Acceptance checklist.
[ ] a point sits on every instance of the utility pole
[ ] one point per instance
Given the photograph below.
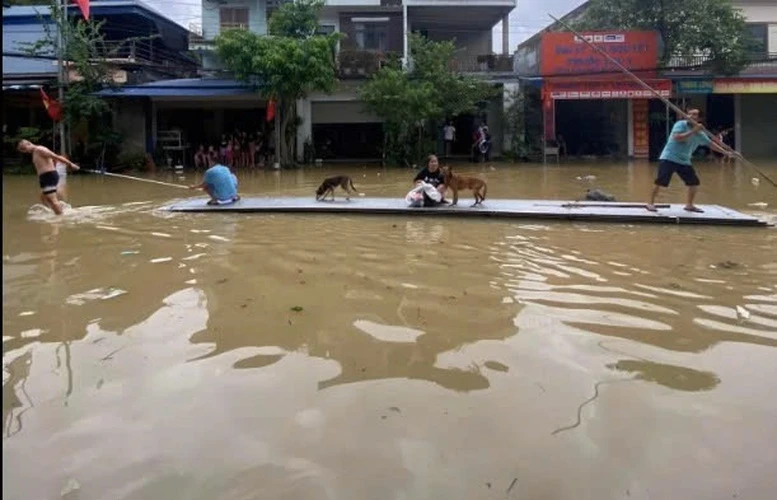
(61, 73)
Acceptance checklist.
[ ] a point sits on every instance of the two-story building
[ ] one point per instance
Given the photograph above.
(159, 53)
(337, 124)
(630, 124)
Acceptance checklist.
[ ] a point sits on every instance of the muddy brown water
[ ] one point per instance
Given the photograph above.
(151, 355)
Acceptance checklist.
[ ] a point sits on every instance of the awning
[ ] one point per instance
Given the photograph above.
(186, 87)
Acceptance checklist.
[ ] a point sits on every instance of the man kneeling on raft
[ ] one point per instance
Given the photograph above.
(43, 159)
(220, 184)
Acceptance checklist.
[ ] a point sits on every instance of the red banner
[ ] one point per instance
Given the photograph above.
(84, 6)
(641, 130)
(53, 107)
(270, 112)
(591, 89)
(563, 53)
(549, 118)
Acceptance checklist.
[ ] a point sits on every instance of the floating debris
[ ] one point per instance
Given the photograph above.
(80, 299)
(161, 259)
(27, 313)
(759, 204)
(130, 252)
(71, 486)
(755, 181)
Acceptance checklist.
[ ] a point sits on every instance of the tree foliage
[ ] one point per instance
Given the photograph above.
(411, 103)
(712, 28)
(287, 65)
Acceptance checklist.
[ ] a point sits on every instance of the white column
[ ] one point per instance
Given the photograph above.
(305, 129)
(405, 29)
(506, 35)
(630, 120)
(738, 122)
(507, 99)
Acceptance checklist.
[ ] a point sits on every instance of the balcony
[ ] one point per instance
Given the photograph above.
(142, 52)
(758, 64)
(485, 63)
(360, 64)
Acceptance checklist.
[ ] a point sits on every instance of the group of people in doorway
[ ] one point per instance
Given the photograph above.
(481, 141)
(239, 149)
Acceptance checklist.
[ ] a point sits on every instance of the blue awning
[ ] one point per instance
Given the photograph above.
(185, 87)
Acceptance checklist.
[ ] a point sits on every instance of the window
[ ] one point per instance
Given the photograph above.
(325, 29)
(233, 17)
(371, 33)
(758, 38)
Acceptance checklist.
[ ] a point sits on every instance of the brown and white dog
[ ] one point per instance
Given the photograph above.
(329, 185)
(455, 182)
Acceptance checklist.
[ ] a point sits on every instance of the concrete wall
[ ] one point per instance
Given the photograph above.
(758, 122)
(341, 112)
(469, 45)
(257, 15)
(758, 11)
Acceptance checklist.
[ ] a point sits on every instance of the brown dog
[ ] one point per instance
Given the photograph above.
(329, 185)
(455, 182)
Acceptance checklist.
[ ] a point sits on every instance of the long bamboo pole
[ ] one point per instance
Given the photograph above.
(666, 101)
(61, 71)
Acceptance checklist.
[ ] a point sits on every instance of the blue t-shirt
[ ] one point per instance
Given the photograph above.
(681, 151)
(222, 182)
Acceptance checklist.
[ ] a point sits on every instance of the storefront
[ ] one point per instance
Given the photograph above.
(755, 114)
(590, 107)
(601, 118)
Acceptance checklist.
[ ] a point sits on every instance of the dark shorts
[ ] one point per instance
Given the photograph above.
(49, 181)
(686, 172)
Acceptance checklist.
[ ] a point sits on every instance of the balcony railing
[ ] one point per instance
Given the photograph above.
(483, 64)
(362, 63)
(142, 52)
(697, 62)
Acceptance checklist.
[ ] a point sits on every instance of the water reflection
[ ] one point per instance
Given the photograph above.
(16, 400)
(366, 357)
(674, 377)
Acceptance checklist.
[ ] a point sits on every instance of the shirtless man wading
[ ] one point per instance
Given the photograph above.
(43, 159)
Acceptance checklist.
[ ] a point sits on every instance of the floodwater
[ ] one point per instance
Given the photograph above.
(151, 355)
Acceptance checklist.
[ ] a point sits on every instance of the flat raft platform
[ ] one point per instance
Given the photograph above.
(497, 208)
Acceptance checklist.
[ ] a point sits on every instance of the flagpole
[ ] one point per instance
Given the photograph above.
(61, 72)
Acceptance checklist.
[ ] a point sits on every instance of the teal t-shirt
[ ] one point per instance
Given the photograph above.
(222, 182)
(681, 151)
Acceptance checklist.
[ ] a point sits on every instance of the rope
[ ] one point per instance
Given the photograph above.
(169, 184)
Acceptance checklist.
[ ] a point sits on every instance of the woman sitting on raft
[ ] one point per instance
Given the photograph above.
(429, 187)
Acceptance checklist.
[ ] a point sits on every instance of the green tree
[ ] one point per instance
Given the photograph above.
(713, 28)
(287, 65)
(414, 103)
(85, 52)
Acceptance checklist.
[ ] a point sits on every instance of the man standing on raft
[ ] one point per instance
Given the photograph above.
(43, 159)
(686, 137)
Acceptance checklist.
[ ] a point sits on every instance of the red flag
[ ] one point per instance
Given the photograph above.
(270, 114)
(84, 6)
(53, 107)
